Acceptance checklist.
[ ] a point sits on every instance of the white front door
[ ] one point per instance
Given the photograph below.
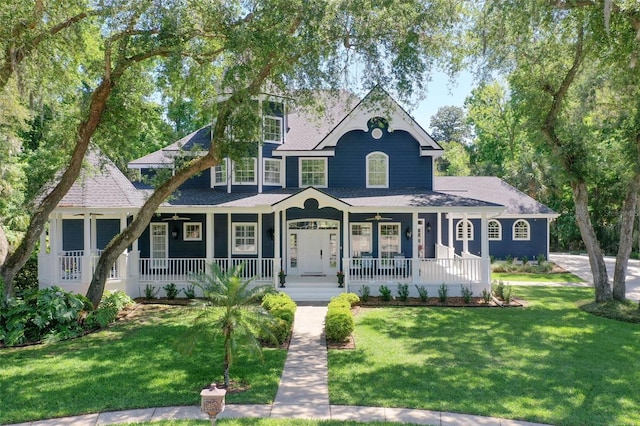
(313, 248)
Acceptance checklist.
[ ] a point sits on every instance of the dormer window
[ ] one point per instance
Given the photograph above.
(273, 129)
(377, 170)
(244, 172)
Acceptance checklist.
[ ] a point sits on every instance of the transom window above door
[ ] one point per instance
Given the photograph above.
(313, 172)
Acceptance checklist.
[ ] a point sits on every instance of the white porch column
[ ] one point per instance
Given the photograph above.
(87, 270)
(123, 261)
(59, 234)
(277, 240)
(450, 236)
(415, 262)
(259, 239)
(43, 264)
(208, 237)
(439, 226)
(484, 250)
(465, 235)
(346, 248)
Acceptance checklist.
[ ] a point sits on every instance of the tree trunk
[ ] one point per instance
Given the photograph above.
(86, 129)
(124, 239)
(596, 257)
(626, 239)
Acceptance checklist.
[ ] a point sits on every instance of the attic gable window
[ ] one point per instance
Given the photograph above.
(313, 172)
(272, 129)
(377, 170)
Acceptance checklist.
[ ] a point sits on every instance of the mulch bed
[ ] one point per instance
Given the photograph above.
(451, 302)
(163, 301)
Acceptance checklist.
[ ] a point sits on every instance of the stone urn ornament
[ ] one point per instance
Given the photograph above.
(212, 401)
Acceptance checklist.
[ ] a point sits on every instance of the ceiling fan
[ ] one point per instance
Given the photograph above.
(176, 217)
(378, 217)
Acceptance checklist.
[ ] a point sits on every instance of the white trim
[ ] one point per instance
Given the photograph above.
(499, 237)
(234, 245)
(214, 182)
(255, 173)
(386, 169)
(264, 171)
(302, 153)
(197, 236)
(326, 172)
(513, 229)
(469, 228)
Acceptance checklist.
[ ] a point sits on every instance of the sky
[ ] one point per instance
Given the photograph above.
(441, 92)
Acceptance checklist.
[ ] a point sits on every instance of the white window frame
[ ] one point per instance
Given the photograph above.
(460, 228)
(367, 225)
(233, 174)
(266, 137)
(193, 234)
(264, 171)
(499, 229)
(380, 238)
(214, 173)
(235, 238)
(386, 169)
(159, 262)
(528, 230)
(326, 171)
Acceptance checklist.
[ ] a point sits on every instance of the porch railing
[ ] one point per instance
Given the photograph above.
(184, 269)
(70, 263)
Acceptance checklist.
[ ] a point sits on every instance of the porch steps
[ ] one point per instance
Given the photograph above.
(306, 290)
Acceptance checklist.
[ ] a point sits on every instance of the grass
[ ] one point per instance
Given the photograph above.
(130, 365)
(627, 311)
(270, 422)
(550, 362)
(560, 277)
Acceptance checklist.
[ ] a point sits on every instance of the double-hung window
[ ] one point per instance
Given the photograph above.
(360, 239)
(521, 230)
(313, 172)
(272, 129)
(244, 171)
(389, 239)
(220, 173)
(244, 238)
(272, 173)
(377, 170)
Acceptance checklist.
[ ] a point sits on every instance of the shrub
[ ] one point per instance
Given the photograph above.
(339, 324)
(352, 298)
(47, 315)
(466, 294)
(541, 259)
(498, 289)
(171, 290)
(507, 293)
(365, 292)
(150, 292)
(403, 292)
(27, 276)
(443, 293)
(525, 260)
(422, 293)
(190, 291)
(283, 310)
(385, 293)
(107, 310)
(486, 295)
(509, 260)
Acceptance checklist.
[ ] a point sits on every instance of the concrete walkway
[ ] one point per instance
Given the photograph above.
(303, 393)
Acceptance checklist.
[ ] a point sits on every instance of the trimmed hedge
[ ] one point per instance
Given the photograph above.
(339, 322)
(283, 310)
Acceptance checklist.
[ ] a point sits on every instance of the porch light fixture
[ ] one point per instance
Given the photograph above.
(407, 233)
(174, 233)
(428, 226)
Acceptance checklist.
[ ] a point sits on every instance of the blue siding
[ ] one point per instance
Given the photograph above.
(106, 229)
(72, 234)
(406, 244)
(201, 180)
(220, 235)
(178, 248)
(348, 167)
(292, 172)
(266, 237)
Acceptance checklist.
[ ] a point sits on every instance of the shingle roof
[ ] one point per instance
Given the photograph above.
(101, 185)
(490, 188)
(200, 138)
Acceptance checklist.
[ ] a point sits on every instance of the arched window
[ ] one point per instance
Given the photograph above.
(377, 170)
(521, 230)
(494, 230)
(460, 227)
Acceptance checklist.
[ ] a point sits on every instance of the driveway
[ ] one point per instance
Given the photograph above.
(579, 265)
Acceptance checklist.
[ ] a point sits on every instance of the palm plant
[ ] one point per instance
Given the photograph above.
(231, 309)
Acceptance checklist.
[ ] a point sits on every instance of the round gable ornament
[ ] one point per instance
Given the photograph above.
(376, 133)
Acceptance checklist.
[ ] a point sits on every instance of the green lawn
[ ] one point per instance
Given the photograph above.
(562, 277)
(269, 422)
(131, 365)
(549, 362)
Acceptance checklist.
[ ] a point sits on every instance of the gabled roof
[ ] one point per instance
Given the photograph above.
(101, 185)
(201, 138)
(490, 188)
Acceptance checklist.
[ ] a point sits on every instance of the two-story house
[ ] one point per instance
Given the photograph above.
(351, 192)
